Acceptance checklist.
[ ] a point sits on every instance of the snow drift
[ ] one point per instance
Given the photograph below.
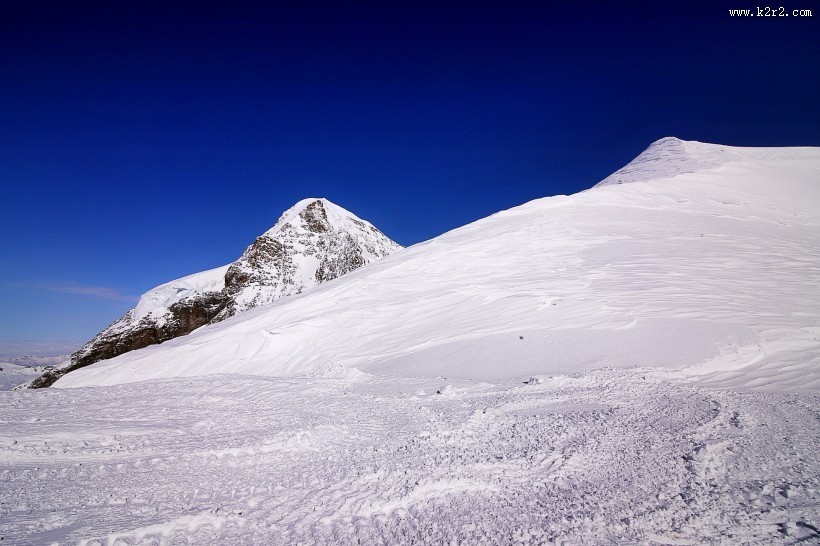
(700, 259)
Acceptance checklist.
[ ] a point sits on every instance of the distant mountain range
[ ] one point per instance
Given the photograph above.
(314, 241)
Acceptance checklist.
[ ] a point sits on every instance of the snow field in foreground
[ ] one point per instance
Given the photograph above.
(342, 456)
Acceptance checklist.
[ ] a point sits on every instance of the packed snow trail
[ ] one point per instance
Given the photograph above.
(342, 457)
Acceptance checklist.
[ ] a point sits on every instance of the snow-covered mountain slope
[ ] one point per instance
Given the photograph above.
(696, 258)
(314, 241)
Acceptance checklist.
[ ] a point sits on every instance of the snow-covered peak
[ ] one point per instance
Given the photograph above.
(318, 214)
(670, 157)
(314, 241)
(293, 213)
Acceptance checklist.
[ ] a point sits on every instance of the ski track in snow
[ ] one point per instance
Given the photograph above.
(343, 457)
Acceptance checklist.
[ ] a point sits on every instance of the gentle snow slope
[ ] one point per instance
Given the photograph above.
(607, 457)
(697, 257)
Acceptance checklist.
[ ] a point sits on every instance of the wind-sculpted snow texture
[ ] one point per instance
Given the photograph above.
(706, 263)
(340, 457)
(635, 364)
(669, 157)
(313, 242)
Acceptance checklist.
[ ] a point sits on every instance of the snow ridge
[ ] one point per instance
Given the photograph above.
(667, 158)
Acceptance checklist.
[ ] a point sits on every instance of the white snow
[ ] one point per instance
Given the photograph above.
(157, 300)
(342, 219)
(635, 364)
(709, 273)
(611, 456)
(669, 157)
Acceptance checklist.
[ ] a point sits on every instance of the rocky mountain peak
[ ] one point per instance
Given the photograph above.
(315, 217)
(314, 241)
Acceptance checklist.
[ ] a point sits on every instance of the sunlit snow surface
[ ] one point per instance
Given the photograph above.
(714, 272)
(340, 457)
(637, 363)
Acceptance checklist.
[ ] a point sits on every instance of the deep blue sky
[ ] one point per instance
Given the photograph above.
(140, 143)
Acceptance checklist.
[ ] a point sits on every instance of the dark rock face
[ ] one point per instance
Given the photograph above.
(186, 317)
(255, 263)
(307, 247)
(347, 257)
(190, 315)
(315, 217)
